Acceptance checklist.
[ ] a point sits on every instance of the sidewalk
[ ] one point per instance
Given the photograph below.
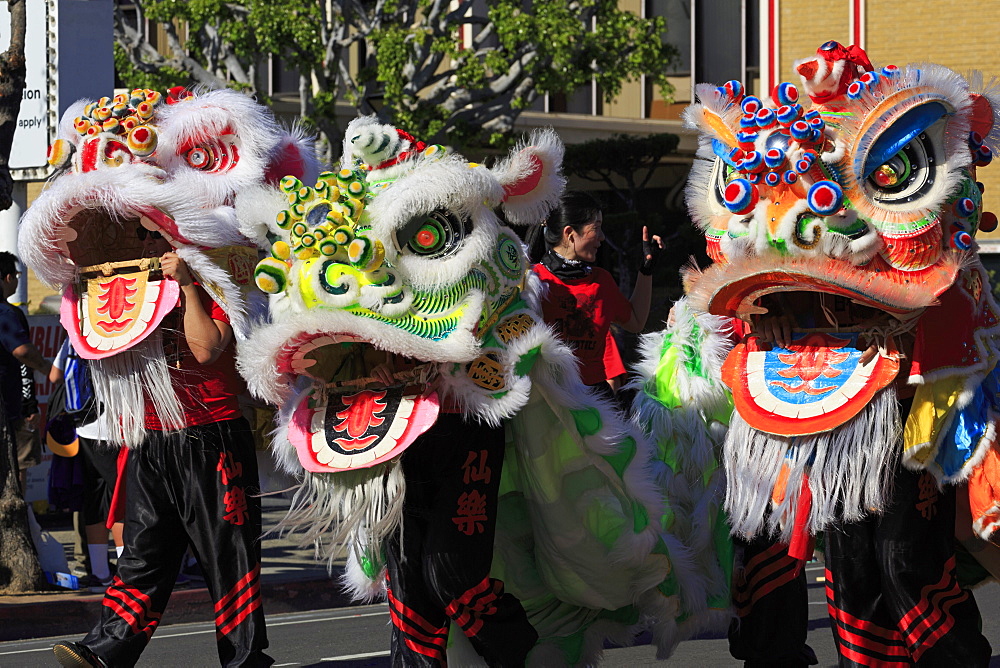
(291, 581)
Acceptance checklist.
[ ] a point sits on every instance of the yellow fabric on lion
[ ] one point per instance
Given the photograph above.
(931, 406)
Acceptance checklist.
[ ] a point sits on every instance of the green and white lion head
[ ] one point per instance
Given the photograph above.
(400, 258)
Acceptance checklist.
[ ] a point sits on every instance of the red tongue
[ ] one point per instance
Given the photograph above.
(117, 314)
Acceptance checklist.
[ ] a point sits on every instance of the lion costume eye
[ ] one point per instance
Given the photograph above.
(212, 154)
(434, 235)
(907, 175)
(200, 157)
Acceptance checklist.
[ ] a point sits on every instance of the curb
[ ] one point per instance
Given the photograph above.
(60, 614)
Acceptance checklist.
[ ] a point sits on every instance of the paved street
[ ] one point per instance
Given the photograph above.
(359, 636)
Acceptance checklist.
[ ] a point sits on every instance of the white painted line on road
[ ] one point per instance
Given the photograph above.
(273, 624)
(327, 619)
(48, 648)
(349, 657)
(27, 651)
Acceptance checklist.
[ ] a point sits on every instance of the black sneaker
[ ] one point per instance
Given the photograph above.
(97, 585)
(75, 655)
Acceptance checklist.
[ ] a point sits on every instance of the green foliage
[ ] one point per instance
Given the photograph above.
(622, 155)
(160, 79)
(414, 69)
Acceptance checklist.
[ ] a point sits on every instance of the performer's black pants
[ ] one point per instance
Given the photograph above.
(439, 561)
(892, 593)
(197, 486)
(772, 607)
(100, 471)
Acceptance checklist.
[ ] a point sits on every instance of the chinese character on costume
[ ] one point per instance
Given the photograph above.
(841, 227)
(139, 228)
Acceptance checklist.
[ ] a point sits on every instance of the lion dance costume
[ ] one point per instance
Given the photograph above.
(485, 488)
(178, 167)
(854, 213)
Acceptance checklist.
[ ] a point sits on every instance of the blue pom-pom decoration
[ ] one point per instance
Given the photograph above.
(800, 130)
(983, 156)
(746, 139)
(751, 104)
(772, 178)
(789, 177)
(766, 118)
(774, 157)
(785, 94)
(869, 79)
(825, 198)
(965, 207)
(753, 161)
(788, 113)
(961, 240)
(734, 89)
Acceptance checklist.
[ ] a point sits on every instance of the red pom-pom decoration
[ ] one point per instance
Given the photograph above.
(988, 221)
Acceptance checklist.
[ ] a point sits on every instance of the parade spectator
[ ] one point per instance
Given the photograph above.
(583, 300)
(27, 434)
(16, 349)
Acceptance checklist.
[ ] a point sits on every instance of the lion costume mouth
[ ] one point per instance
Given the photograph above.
(346, 418)
(120, 297)
(732, 288)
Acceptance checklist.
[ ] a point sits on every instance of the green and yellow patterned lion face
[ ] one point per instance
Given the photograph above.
(399, 264)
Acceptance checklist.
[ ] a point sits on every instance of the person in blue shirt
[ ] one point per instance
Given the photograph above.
(15, 348)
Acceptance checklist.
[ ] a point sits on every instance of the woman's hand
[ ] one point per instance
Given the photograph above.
(174, 267)
(651, 247)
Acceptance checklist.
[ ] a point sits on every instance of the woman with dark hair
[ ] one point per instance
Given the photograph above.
(583, 300)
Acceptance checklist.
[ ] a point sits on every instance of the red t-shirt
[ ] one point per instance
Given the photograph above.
(581, 310)
(206, 392)
(613, 364)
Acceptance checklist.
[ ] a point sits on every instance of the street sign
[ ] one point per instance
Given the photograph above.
(37, 120)
(68, 52)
